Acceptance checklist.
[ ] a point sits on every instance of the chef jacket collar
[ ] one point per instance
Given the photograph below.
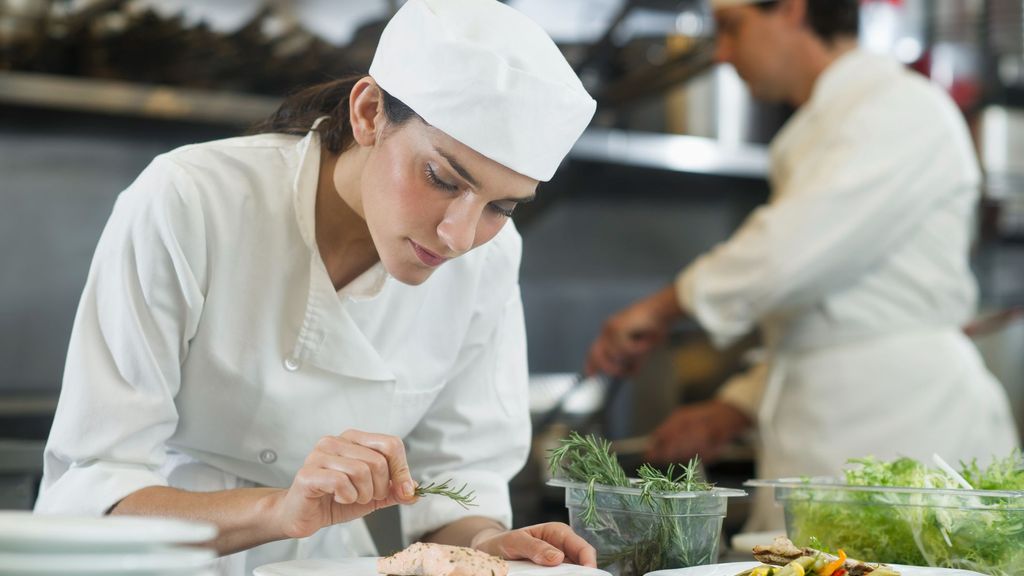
(329, 338)
(833, 85)
(837, 88)
(369, 284)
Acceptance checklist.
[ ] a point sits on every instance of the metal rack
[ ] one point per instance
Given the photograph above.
(132, 99)
(671, 152)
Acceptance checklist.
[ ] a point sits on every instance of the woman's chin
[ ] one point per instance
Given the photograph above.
(408, 274)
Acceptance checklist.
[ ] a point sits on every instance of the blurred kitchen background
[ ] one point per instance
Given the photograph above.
(91, 90)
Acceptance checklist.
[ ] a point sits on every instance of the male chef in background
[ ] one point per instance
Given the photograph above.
(856, 270)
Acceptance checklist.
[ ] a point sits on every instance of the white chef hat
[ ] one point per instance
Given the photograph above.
(487, 76)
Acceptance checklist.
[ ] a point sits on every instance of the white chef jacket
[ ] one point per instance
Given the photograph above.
(211, 350)
(857, 273)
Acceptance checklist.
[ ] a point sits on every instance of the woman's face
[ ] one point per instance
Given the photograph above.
(427, 198)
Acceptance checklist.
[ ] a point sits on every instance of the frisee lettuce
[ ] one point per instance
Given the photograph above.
(970, 531)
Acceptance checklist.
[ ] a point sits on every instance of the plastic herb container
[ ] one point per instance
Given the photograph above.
(979, 530)
(634, 535)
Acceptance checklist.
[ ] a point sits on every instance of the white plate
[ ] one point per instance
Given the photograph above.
(27, 532)
(734, 568)
(368, 567)
(183, 561)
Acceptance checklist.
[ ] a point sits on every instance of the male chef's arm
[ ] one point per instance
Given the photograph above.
(141, 306)
(477, 432)
(874, 181)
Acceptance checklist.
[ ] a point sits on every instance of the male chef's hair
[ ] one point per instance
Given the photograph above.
(829, 19)
(329, 100)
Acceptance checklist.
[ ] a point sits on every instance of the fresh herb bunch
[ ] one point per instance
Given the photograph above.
(639, 533)
(461, 496)
(588, 459)
(980, 533)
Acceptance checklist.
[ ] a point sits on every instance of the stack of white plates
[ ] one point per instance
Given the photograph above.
(32, 545)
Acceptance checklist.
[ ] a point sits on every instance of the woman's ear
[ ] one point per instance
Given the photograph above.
(365, 111)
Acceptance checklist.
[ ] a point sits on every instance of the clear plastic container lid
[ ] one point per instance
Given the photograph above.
(828, 489)
(714, 492)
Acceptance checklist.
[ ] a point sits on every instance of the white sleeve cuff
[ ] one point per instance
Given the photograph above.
(726, 321)
(92, 490)
(744, 391)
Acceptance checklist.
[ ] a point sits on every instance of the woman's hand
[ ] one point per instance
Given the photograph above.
(344, 478)
(546, 544)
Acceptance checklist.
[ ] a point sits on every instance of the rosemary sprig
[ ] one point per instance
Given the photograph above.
(588, 459)
(653, 480)
(461, 496)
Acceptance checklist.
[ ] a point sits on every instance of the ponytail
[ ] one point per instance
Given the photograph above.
(299, 110)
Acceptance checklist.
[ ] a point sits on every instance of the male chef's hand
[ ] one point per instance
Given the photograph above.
(546, 544)
(344, 478)
(630, 335)
(701, 429)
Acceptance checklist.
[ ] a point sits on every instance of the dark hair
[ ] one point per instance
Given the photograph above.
(299, 110)
(828, 18)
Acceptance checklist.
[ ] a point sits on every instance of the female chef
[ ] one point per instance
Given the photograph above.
(281, 333)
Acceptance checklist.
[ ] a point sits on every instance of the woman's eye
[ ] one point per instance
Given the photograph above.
(437, 182)
(502, 210)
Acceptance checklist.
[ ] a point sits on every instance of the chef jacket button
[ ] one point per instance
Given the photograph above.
(268, 456)
(291, 364)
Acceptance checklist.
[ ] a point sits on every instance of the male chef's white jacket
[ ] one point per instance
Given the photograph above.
(857, 273)
(211, 351)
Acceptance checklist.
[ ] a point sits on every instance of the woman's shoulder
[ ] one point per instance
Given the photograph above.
(241, 152)
(222, 180)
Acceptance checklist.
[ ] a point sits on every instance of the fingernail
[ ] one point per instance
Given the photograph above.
(408, 489)
(551, 555)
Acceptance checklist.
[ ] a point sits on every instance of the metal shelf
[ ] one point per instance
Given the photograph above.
(671, 152)
(650, 150)
(131, 99)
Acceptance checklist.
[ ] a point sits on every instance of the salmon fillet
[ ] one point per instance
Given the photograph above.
(422, 559)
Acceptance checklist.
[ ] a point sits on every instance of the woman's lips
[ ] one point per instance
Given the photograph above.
(426, 256)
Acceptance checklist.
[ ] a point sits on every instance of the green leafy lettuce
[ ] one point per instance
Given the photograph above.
(968, 530)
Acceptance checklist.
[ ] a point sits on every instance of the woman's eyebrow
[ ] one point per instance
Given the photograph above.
(469, 177)
(523, 200)
(458, 167)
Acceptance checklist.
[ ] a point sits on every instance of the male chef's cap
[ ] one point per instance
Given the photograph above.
(716, 4)
(487, 76)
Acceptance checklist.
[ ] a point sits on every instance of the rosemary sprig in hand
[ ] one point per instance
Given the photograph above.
(461, 496)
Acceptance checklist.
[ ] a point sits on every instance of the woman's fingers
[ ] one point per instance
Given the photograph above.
(561, 536)
(375, 463)
(394, 451)
(319, 482)
(577, 550)
(546, 544)
(368, 468)
(520, 544)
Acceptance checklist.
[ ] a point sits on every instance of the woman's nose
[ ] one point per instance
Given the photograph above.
(458, 228)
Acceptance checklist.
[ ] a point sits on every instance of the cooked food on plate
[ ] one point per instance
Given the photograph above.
(783, 558)
(423, 559)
